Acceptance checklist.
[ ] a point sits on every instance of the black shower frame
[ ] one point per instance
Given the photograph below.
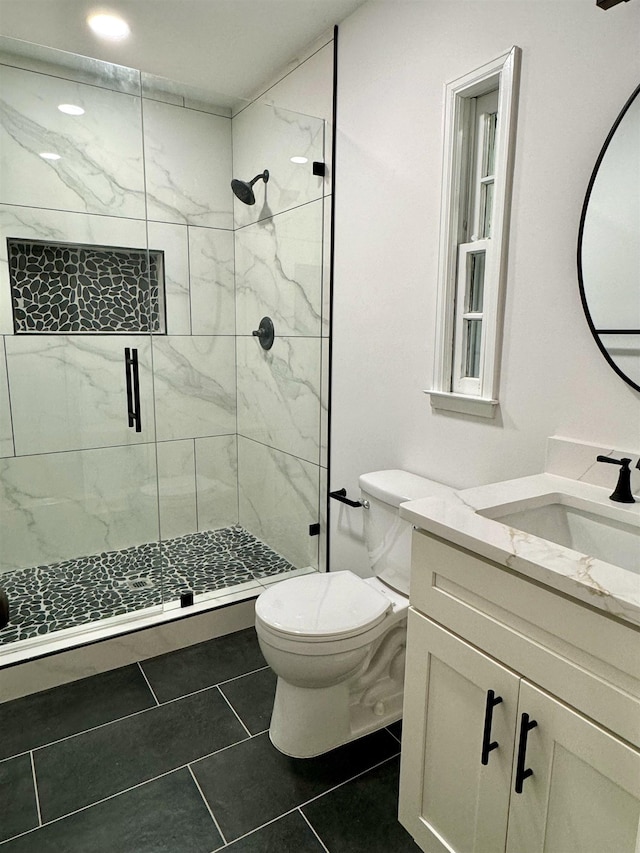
(332, 246)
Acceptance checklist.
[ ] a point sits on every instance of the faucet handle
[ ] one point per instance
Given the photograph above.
(624, 461)
(622, 491)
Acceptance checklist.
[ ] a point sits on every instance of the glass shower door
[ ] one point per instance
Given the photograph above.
(238, 426)
(80, 298)
(280, 244)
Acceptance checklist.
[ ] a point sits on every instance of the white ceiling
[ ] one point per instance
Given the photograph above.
(230, 46)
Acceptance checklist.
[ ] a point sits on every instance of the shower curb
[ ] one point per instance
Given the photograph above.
(51, 669)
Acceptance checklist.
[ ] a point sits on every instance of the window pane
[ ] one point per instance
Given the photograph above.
(486, 209)
(475, 290)
(490, 144)
(473, 334)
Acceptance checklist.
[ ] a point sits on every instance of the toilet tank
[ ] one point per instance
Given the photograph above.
(387, 536)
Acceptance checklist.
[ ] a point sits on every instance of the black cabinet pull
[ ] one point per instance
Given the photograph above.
(521, 773)
(487, 744)
(133, 388)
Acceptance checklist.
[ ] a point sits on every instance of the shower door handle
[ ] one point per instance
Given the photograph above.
(127, 374)
(133, 387)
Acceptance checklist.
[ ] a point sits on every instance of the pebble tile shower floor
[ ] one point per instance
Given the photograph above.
(172, 755)
(75, 592)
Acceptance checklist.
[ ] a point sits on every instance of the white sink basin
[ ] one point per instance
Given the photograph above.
(583, 526)
(564, 533)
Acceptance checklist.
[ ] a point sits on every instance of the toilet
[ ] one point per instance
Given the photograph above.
(337, 641)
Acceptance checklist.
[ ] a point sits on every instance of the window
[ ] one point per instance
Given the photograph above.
(479, 144)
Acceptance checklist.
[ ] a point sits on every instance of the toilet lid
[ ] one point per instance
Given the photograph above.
(322, 606)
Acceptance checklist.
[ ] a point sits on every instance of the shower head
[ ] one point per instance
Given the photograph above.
(244, 189)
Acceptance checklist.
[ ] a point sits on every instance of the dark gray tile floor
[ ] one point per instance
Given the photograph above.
(173, 756)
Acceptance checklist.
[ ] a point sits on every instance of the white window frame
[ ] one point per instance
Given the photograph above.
(479, 397)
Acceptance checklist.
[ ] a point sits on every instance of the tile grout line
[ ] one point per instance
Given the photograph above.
(102, 725)
(307, 802)
(308, 822)
(91, 805)
(11, 419)
(258, 828)
(16, 755)
(187, 766)
(273, 215)
(126, 790)
(144, 675)
(133, 787)
(140, 443)
(234, 711)
(213, 817)
(35, 788)
(133, 714)
(279, 449)
(217, 684)
(350, 779)
(129, 218)
(195, 457)
(393, 736)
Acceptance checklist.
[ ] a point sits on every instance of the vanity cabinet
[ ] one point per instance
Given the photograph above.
(464, 754)
(449, 800)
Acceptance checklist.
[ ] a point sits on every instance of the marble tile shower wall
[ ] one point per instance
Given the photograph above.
(281, 271)
(133, 172)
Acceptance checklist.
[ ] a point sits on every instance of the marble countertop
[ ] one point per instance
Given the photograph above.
(458, 519)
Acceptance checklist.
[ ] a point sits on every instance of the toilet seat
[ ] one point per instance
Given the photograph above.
(321, 607)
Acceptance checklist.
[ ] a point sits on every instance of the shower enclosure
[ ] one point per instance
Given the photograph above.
(153, 456)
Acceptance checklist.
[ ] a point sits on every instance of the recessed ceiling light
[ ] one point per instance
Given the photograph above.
(71, 109)
(109, 27)
(49, 155)
(299, 159)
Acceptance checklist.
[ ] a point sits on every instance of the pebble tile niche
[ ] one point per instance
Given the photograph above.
(62, 288)
(44, 599)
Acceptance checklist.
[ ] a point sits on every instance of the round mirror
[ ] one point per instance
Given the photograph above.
(609, 246)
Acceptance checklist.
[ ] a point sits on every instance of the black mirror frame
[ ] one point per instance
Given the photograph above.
(602, 348)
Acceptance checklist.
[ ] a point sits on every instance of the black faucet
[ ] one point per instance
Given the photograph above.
(622, 492)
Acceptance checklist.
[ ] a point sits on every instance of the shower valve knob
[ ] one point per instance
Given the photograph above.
(265, 333)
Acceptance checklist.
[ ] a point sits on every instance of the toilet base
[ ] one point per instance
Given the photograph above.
(310, 721)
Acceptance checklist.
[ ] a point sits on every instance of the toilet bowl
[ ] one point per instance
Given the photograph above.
(335, 640)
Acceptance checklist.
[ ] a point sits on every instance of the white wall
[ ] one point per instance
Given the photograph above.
(579, 66)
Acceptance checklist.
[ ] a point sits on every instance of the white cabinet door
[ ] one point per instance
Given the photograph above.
(449, 799)
(583, 795)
